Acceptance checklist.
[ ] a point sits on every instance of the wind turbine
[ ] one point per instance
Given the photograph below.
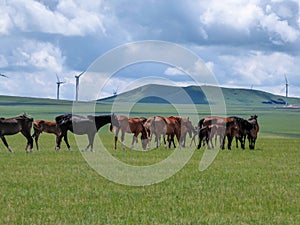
(286, 89)
(115, 91)
(77, 85)
(58, 82)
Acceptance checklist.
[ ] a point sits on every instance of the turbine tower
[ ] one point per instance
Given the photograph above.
(286, 89)
(77, 85)
(58, 82)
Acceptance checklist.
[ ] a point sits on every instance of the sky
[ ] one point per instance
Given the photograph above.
(245, 43)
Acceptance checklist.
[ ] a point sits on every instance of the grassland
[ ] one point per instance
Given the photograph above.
(239, 187)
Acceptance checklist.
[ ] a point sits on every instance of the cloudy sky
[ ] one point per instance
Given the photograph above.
(245, 43)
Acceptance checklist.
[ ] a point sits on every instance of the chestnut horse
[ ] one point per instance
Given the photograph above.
(82, 125)
(186, 127)
(170, 126)
(10, 126)
(131, 125)
(40, 126)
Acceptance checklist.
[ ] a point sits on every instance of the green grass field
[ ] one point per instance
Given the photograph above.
(239, 187)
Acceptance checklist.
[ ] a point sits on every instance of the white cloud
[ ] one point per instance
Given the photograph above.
(240, 15)
(259, 68)
(36, 55)
(247, 15)
(5, 21)
(173, 71)
(272, 23)
(69, 18)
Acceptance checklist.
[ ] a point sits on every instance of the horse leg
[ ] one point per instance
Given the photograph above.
(237, 142)
(6, 144)
(122, 139)
(29, 141)
(243, 141)
(223, 141)
(116, 137)
(58, 141)
(132, 143)
(67, 142)
(229, 137)
(91, 138)
(36, 138)
(149, 139)
(193, 140)
(36, 135)
(200, 141)
(136, 141)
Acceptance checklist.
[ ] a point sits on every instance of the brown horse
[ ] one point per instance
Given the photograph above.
(252, 134)
(40, 126)
(215, 127)
(231, 127)
(170, 126)
(131, 125)
(15, 125)
(82, 125)
(186, 127)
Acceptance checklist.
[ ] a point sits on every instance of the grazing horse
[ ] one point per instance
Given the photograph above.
(15, 125)
(246, 128)
(131, 125)
(40, 126)
(186, 127)
(82, 125)
(216, 126)
(170, 126)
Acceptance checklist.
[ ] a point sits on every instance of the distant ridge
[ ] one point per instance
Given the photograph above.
(232, 96)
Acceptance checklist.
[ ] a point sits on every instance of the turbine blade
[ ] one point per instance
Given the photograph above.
(81, 74)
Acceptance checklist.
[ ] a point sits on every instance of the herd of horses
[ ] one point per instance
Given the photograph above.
(210, 131)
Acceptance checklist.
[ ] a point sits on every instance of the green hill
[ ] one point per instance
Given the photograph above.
(161, 94)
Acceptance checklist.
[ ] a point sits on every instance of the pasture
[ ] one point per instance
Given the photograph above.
(240, 187)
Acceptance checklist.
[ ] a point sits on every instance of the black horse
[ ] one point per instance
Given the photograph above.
(10, 126)
(82, 125)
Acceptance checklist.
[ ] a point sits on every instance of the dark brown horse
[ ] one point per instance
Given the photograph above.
(40, 126)
(15, 125)
(131, 125)
(246, 128)
(231, 127)
(82, 125)
(252, 133)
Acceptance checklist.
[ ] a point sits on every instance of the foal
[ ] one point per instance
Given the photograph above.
(40, 126)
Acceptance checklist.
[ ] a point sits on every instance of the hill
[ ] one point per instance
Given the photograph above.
(149, 93)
